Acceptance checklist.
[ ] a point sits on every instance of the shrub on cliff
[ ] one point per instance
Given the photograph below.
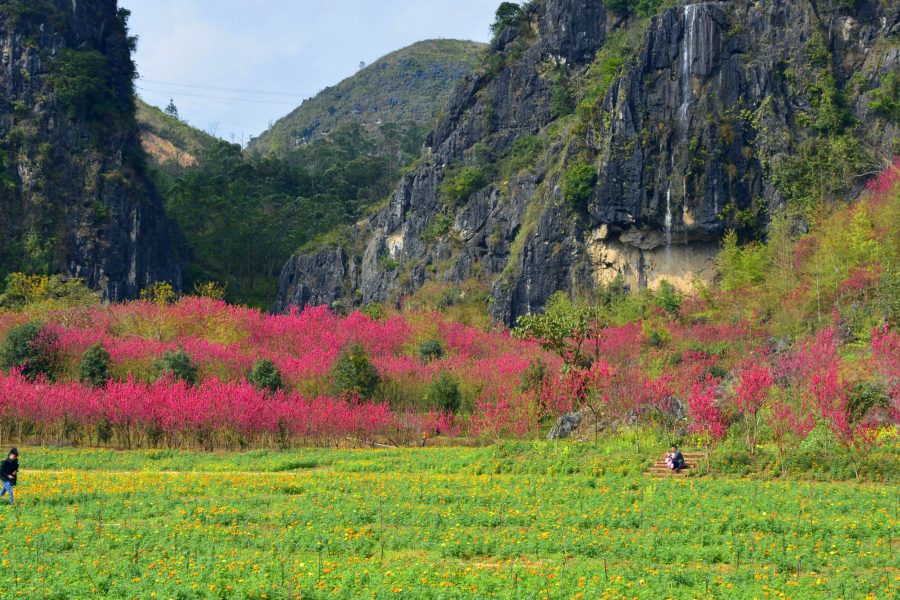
(459, 184)
(578, 183)
(81, 84)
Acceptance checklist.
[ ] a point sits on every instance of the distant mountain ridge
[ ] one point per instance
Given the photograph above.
(411, 84)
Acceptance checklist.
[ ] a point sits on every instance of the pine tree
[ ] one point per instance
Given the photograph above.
(94, 368)
(172, 110)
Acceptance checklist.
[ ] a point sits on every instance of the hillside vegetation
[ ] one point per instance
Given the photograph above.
(407, 86)
(172, 145)
(796, 371)
(242, 216)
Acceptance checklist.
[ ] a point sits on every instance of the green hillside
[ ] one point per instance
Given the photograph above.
(242, 214)
(411, 84)
(172, 145)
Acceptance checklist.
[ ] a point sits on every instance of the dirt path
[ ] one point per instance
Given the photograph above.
(176, 473)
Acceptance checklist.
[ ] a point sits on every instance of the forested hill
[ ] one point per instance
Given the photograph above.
(243, 214)
(243, 217)
(407, 86)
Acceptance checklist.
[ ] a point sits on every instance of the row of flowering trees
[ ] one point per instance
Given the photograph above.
(789, 393)
(213, 414)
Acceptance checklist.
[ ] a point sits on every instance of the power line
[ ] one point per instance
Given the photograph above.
(179, 93)
(215, 117)
(220, 89)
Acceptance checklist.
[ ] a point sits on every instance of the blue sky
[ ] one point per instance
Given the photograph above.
(244, 63)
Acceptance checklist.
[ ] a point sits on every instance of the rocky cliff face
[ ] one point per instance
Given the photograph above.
(75, 198)
(704, 118)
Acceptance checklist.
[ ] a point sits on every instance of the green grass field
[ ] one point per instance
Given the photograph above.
(524, 521)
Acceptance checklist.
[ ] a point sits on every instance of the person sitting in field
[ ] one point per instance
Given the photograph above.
(675, 460)
(9, 468)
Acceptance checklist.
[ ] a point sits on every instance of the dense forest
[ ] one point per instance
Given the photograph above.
(242, 215)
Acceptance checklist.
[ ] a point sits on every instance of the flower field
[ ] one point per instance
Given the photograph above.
(523, 521)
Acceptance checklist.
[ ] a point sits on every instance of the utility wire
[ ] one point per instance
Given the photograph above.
(213, 117)
(220, 89)
(178, 93)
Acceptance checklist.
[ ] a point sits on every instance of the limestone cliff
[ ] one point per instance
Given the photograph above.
(591, 146)
(75, 197)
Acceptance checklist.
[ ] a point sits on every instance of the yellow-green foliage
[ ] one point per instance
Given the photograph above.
(742, 265)
(40, 293)
(515, 520)
(847, 266)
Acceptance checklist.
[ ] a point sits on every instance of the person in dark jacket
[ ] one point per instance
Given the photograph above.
(9, 469)
(675, 460)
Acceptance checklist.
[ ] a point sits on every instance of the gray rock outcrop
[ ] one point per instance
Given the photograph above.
(566, 425)
(75, 195)
(699, 128)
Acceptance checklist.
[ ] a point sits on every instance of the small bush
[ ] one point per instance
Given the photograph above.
(655, 340)
(523, 154)
(374, 310)
(561, 99)
(716, 372)
(94, 368)
(458, 185)
(430, 350)
(354, 373)
(265, 375)
(33, 349)
(865, 397)
(177, 365)
(509, 14)
(887, 98)
(620, 8)
(443, 393)
(668, 298)
(578, 183)
(740, 266)
(438, 227)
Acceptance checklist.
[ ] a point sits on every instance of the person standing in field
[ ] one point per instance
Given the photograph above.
(9, 469)
(424, 437)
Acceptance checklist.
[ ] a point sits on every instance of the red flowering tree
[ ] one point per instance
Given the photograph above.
(789, 428)
(707, 419)
(750, 397)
